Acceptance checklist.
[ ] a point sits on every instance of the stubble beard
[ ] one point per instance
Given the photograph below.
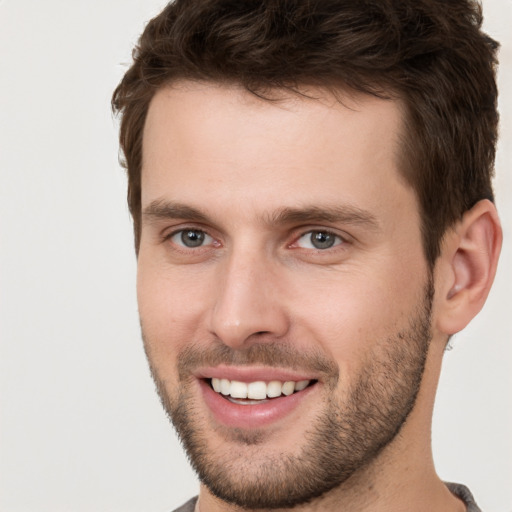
(344, 439)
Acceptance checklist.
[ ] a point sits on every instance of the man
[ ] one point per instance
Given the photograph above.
(313, 215)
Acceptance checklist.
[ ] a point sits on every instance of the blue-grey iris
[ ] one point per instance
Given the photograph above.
(322, 239)
(192, 238)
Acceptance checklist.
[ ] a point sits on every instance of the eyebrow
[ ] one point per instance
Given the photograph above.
(161, 210)
(347, 214)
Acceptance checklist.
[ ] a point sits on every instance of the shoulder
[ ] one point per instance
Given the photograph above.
(187, 507)
(462, 492)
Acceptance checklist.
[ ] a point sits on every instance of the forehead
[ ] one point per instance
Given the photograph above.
(203, 139)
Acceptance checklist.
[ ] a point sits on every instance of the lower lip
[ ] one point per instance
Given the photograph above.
(251, 416)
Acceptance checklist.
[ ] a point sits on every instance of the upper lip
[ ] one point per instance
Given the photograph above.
(252, 373)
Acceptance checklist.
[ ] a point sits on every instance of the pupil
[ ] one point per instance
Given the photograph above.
(322, 240)
(192, 238)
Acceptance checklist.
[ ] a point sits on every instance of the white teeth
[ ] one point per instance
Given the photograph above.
(258, 390)
(302, 384)
(238, 389)
(274, 388)
(288, 387)
(225, 386)
(216, 385)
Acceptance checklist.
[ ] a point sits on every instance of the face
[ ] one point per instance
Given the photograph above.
(283, 293)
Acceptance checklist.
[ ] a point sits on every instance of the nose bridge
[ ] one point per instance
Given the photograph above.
(247, 300)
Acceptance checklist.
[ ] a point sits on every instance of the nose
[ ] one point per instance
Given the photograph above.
(247, 302)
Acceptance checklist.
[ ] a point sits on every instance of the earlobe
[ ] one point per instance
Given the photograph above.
(467, 266)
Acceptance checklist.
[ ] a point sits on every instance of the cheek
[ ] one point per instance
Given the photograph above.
(350, 316)
(171, 308)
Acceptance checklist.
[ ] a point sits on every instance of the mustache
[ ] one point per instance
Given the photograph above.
(272, 354)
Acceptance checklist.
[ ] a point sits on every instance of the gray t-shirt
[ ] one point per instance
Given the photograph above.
(188, 507)
(461, 491)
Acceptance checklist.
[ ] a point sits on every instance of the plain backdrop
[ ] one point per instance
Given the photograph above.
(81, 429)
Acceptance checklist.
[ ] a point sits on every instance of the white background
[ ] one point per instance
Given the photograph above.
(81, 428)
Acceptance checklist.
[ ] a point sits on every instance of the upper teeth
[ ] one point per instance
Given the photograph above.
(258, 390)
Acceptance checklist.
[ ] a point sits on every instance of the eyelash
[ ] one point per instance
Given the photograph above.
(338, 239)
(182, 231)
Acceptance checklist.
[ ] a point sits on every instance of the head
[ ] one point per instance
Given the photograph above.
(295, 169)
(435, 60)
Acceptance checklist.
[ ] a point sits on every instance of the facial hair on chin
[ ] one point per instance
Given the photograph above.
(343, 439)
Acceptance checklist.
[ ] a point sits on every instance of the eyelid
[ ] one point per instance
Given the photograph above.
(170, 230)
(176, 230)
(342, 237)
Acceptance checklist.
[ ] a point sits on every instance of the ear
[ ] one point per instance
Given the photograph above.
(466, 267)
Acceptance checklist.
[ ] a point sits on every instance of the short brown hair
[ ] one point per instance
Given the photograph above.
(431, 54)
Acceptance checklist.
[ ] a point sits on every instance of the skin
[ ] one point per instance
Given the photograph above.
(238, 162)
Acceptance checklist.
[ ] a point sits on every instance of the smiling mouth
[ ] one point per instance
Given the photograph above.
(258, 392)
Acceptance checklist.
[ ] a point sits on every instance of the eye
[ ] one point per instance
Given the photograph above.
(319, 240)
(191, 238)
